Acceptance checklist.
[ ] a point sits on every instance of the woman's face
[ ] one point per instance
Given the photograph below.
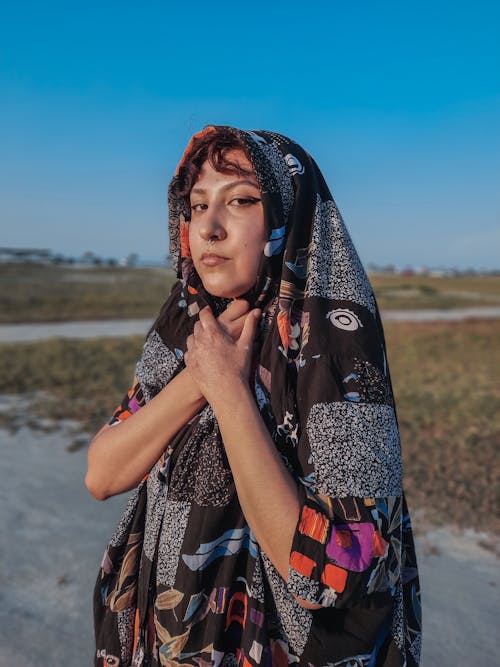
(227, 209)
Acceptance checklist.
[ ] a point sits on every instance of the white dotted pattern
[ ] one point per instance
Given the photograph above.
(156, 366)
(121, 531)
(295, 620)
(335, 270)
(355, 449)
(173, 530)
(126, 633)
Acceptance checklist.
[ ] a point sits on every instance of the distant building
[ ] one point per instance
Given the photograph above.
(25, 255)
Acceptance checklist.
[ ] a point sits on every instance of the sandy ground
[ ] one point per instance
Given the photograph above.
(54, 535)
(25, 333)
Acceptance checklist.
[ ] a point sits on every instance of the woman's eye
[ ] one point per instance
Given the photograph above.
(198, 207)
(244, 201)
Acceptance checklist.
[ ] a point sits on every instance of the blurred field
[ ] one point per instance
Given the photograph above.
(43, 293)
(399, 292)
(83, 380)
(445, 377)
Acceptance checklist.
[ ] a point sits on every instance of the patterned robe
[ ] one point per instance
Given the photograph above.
(183, 579)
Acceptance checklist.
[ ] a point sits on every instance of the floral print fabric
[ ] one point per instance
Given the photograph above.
(183, 580)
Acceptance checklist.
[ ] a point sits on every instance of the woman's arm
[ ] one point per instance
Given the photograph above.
(267, 492)
(119, 456)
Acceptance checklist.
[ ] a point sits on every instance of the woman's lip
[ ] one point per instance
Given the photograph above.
(212, 260)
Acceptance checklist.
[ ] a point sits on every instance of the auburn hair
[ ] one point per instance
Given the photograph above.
(212, 145)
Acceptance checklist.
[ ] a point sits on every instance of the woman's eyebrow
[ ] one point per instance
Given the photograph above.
(201, 191)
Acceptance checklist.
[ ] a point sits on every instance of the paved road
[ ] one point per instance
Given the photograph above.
(27, 333)
(12, 333)
(458, 314)
(54, 534)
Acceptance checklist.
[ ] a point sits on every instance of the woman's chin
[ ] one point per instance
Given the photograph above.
(225, 292)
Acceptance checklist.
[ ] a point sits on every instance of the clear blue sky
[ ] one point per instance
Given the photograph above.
(399, 102)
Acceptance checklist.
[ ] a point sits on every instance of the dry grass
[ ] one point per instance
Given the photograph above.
(82, 380)
(414, 292)
(448, 396)
(39, 293)
(445, 378)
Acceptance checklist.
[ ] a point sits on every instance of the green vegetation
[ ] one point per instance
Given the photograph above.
(445, 381)
(44, 293)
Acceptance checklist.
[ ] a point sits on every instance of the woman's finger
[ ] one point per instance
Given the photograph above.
(249, 329)
(235, 327)
(236, 309)
(207, 319)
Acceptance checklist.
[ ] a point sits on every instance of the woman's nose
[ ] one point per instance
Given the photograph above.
(212, 224)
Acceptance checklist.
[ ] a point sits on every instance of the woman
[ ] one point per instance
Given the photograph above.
(267, 525)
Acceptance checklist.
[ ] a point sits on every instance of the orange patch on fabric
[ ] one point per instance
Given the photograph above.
(334, 577)
(327, 504)
(314, 524)
(344, 538)
(124, 415)
(302, 564)
(283, 321)
(369, 502)
(379, 544)
(192, 290)
(237, 609)
(137, 627)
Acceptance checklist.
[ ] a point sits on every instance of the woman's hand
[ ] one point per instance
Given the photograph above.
(233, 318)
(215, 361)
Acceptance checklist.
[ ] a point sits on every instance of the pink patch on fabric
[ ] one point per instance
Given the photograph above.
(256, 617)
(265, 376)
(359, 556)
(133, 405)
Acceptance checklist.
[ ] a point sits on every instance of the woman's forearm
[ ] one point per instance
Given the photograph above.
(267, 492)
(119, 456)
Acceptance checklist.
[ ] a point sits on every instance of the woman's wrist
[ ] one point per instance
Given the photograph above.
(230, 397)
(190, 390)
